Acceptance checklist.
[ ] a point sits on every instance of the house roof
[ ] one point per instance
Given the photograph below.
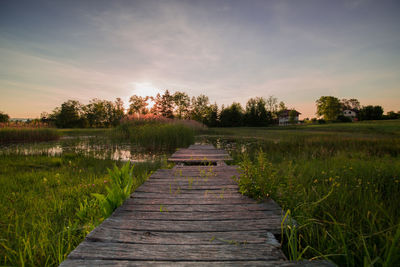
(354, 110)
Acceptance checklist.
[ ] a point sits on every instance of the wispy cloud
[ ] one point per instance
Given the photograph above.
(229, 50)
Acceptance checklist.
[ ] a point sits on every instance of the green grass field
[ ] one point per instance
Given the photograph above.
(40, 217)
(340, 182)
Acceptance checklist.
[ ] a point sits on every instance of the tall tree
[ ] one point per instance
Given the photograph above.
(118, 112)
(256, 113)
(352, 104)
(4, 117)
(69, 115)
(200, 108)
(271, 105)
(282, 107)
(96, 113)
(167, 105)
(182, 104)
(329, 107)
(371, 113)
(292, 116)
(212, 119)
(232, 116)
(156, 108)
(138, 105)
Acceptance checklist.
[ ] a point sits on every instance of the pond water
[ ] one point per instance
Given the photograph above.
(103, 148)
(91, 146)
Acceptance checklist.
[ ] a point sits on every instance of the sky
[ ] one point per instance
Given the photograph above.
(297, 51)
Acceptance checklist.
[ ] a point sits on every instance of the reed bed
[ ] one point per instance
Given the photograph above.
(18, 135)
(157, 133)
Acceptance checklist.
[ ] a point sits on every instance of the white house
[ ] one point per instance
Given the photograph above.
(284, 117)
(350, 113)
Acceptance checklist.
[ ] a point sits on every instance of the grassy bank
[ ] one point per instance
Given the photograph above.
(43, 215)
(16, 135)
(340, 182)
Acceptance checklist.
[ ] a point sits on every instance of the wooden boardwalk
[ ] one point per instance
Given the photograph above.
(188, 216)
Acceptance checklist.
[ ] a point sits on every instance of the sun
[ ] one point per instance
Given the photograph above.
(144, 89)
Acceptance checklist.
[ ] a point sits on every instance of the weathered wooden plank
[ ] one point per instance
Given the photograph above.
(200, 154)
(198, 216)
(201, 181)
(199, 161)
(192, 177)
(227, 173)
(224, 177)
(272, 224)
(125, 251)
(191, 150)
(200, 167)
(168, 201)
(265, 205)
(186, 188)
(129, 205)
(103, 234)
(176, 194)
(245, 263)
(194, 184)
(189, 154)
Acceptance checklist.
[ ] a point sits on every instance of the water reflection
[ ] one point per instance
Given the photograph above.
(99, 148)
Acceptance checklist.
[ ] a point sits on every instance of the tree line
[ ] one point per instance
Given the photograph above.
(331, 108)
(258, 111)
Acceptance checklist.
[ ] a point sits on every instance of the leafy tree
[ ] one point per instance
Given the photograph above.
(96, 112)
(212, 119)
(156, 109)
(329, 107)
(138, 105)
(256, 113)
(69, 115)
(282, 107)
(200, 108)
(4, 117)
(182, 104)
(232, 116)
(391, 115)
(371, 113)
(117, 112)
(353, 104)
(271, 105)
(167, 105)
(163, 105)
(292, 116)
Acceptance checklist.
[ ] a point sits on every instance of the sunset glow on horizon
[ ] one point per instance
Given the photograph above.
(297, 51)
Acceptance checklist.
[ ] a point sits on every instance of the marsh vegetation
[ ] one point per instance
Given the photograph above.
(340, 182)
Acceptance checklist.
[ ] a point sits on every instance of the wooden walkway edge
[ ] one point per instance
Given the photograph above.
(188, 216)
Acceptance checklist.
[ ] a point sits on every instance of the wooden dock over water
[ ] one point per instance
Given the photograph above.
(188, 216)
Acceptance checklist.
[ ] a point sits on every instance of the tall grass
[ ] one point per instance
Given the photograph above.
(156, 134)
(342, 190)
(14, 135)
(43, 215)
